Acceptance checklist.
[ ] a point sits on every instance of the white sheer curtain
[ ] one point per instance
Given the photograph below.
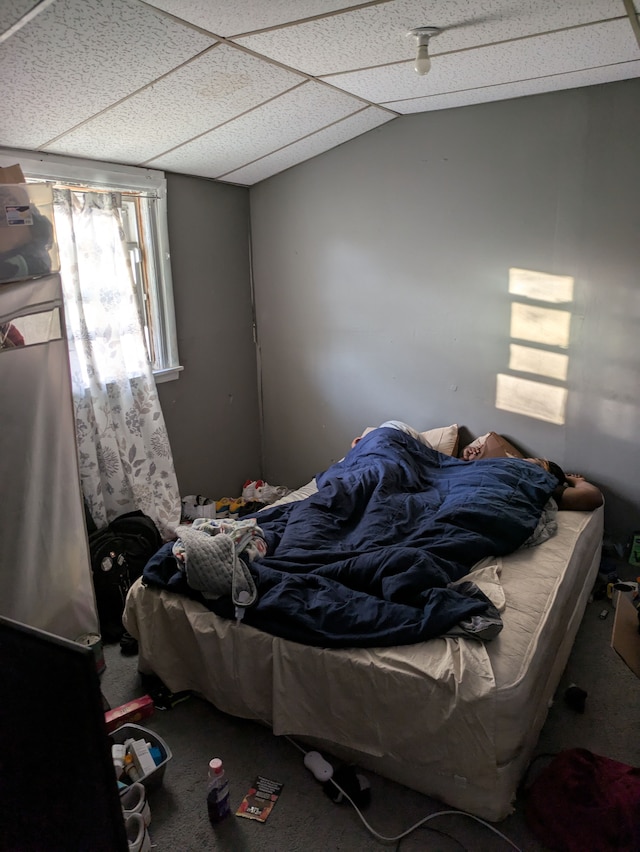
(124, 452)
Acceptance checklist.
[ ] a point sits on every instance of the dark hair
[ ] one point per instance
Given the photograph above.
(558, 472)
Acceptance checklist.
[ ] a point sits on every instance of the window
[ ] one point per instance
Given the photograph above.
(142, 194)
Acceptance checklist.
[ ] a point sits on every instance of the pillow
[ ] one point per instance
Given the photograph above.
(491, 446)
(444, 440)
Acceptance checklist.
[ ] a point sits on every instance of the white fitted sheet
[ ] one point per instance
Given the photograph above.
(453, 718)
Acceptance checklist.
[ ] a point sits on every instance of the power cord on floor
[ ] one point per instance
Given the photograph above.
(323, 772)
(441, 834)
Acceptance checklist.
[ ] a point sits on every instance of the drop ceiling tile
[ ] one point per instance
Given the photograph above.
(80, 56)
(376, 35)
(241, 16)
(12, 10)
(344, 130)
(213, 88)
(541, 56)
(575, 80)
(284, 120)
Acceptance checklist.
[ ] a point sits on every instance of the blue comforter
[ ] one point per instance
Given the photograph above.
(369, 559)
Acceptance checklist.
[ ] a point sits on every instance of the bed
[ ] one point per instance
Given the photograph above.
(452, 716)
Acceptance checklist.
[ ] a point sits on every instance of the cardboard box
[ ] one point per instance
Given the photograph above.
(144, 763)
(11, 174)
(625, 638)
(132, 711)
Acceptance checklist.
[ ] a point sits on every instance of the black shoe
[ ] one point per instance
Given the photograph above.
(128, 645)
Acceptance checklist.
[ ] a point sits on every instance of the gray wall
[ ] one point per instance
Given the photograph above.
(381, 272)
(211, 411)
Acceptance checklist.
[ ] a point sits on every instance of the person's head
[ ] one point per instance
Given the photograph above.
(360, 437)
(552, 468)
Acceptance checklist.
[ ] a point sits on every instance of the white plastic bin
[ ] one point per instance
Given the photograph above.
(137, 732)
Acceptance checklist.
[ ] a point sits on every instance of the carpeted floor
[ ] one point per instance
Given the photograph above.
(305, 820)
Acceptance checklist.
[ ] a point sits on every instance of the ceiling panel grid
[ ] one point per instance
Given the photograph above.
(241, 91)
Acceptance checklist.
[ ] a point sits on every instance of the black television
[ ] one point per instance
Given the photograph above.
(58, 787)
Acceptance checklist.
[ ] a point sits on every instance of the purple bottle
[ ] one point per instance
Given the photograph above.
(217, 792)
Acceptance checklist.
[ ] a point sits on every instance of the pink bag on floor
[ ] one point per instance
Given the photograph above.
(582, 801)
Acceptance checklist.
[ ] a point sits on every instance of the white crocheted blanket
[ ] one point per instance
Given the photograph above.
(209, 550)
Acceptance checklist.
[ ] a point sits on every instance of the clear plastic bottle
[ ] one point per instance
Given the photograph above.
(217, 792)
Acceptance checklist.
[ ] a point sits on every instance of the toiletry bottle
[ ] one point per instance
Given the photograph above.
(130, 768)
(117, 754)
(217, 792)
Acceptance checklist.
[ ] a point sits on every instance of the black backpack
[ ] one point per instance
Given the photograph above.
(118, 554)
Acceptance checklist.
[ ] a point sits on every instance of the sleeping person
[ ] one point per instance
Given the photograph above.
(379, 554)
(573, 492)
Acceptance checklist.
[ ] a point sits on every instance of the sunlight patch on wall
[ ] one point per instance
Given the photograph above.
(540, 285)
(540, 325)
(526, 359)
(548, 330)
(534, 399)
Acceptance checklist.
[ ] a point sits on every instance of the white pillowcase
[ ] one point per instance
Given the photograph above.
(444, 439)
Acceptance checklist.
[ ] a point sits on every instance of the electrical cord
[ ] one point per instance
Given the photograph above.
(441, 834)
(423, 821)
(383, 838)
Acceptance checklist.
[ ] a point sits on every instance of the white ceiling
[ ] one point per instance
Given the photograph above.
(239, 90)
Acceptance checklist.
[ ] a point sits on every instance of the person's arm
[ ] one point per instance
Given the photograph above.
(580, 495)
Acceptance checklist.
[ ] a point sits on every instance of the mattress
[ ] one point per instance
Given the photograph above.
(453, 718)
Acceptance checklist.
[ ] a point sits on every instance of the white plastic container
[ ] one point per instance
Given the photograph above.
(137, 732)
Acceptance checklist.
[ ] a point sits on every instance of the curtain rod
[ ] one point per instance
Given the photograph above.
(83, 187)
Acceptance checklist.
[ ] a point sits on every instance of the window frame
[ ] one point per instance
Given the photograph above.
(148, 184)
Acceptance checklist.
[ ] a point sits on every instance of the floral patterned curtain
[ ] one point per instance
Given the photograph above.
(124, 452)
